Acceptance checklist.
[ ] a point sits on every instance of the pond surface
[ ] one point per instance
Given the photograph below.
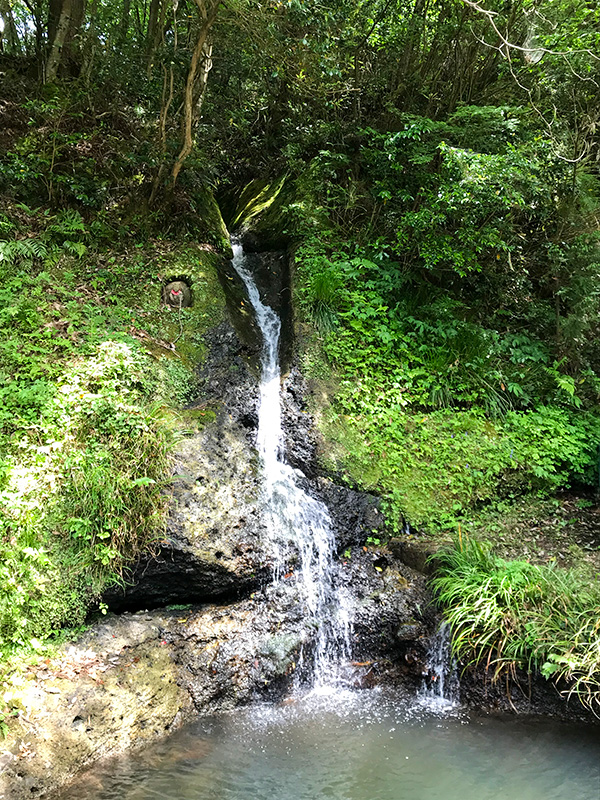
(356, 746)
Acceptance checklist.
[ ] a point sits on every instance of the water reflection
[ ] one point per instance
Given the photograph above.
(356, 746)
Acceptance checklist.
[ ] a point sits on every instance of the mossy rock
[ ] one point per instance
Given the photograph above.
(186, 328)
(261, 214)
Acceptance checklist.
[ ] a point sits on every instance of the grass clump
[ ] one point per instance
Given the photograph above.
(509, 615)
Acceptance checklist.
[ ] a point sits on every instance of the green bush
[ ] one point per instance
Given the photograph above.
(510, 615)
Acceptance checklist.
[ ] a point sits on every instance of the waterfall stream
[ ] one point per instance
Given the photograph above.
(299, 527)
(441, 686)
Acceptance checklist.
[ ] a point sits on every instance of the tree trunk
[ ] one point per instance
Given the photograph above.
(36, 10)
(65, 18)
(10, 29)
(200, 66)
(152, 25)
(60, 29)
(89, 51)
(155, 30)
(124, 21)
(54, 11)
(167, 99)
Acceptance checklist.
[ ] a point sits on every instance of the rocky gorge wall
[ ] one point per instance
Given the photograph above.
(199, 627)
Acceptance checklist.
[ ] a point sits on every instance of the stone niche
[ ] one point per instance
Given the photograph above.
(177, 292)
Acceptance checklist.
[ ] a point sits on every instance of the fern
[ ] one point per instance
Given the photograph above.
(67, 223)
(77, 248)
(61, 236)
(6, 225)
(22, 251)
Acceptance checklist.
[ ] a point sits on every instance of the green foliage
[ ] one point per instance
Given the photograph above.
(434, 468)
(432, 406)
(86, 422)
(447, 204)
(82, 493)
(321, 296)
(513, 614)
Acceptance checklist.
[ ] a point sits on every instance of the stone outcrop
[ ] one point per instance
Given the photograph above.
(135, 677)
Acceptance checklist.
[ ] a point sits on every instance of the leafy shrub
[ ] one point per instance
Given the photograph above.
(432, 408)
(321, 296)
(513, 614)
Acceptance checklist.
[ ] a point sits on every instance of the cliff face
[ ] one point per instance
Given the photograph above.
(199, 626)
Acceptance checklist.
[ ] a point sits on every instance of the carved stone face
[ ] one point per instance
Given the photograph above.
(177, 294)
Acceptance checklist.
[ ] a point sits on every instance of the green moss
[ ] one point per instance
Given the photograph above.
(207, 223)
(263, 210)
(254, 199)
(197, 418)
(397, 417)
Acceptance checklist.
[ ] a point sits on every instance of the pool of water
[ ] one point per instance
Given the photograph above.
(356, 746)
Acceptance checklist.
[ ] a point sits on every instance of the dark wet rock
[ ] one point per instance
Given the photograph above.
(271, 272)
(355, 515)
(242, 322)
(409, 632)
(393, 615)
(212, 547)
(416, 553)
(525, 693)
(299, 433)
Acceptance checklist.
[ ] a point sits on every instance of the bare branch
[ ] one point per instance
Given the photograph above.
(512, 46)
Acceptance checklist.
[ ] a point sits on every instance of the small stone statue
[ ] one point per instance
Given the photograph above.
(177, 294)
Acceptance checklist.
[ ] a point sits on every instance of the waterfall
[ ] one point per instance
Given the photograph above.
(440, 690)
(299, 527)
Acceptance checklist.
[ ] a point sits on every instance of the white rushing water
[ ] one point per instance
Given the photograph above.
(299, 526)
(441, 687)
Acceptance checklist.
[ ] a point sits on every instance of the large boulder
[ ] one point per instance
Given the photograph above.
(134, 678)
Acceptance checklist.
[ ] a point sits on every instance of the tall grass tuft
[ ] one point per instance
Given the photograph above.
(322, 298)
(513, 614)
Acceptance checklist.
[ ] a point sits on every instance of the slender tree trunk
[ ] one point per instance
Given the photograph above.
(152, 26)
(156, 34)
(9, 33)
(138, 20)
(205, 67)
(200, 66)
(54, 12)
(167, 99)
(35, 9)
(73, 34)
(91, 44)
(124, 21)
(61, 30)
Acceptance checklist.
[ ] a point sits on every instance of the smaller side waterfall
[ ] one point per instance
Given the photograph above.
(441, 685)
(299, 526)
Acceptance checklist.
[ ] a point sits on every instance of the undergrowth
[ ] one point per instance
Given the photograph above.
(89, 395)
(433, 408)
(510, 615)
